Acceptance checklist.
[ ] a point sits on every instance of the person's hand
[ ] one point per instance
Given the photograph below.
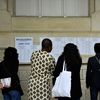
(1, 86)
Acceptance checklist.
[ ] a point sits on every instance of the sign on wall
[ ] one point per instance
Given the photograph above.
(24, 46)
(84, 44)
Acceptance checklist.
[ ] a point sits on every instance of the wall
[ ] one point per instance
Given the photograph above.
(11, 27)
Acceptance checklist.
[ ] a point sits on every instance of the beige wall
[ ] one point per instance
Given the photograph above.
(11, 27)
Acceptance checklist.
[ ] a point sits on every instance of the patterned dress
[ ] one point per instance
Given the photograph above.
(39, 84)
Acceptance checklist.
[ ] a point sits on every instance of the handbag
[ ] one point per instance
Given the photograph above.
(62, 86)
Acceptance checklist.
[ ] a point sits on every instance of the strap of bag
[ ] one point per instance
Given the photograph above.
(64, 66)
(97, 60)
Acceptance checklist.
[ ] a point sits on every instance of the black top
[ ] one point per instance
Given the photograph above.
(93, 72)
(9, 68)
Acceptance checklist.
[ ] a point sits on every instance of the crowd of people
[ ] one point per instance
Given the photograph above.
(44, 71)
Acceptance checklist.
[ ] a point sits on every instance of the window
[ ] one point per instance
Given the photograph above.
(51, 7)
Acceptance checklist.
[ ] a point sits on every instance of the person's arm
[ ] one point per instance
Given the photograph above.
(14, 67)
(1, 86)
(88, 74)
(52, 65)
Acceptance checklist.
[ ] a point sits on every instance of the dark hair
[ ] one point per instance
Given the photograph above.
(71, 54)
(10, 53)
(97, 47)
(46, 43)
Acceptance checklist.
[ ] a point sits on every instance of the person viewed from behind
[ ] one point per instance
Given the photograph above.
(42, 67)
(72, 59)
(9, 68)
(93, 73)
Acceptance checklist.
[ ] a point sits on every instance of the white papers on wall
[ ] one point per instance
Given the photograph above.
(84, 44)
(36, 47)
(24, 46)
(58, 44)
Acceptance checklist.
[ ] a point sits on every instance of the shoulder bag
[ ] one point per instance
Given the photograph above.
(62, 86)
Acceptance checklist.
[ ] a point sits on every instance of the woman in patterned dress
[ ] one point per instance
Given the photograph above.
(42, 67)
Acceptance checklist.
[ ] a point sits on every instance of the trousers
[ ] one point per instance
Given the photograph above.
(12, 95)
(94, 93)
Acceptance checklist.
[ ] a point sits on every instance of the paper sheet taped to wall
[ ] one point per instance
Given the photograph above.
(24, 46)
(84, 44)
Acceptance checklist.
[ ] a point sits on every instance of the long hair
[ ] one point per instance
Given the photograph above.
(71, 55)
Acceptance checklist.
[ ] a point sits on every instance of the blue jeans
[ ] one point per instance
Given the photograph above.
(12, 95)
(94, 93)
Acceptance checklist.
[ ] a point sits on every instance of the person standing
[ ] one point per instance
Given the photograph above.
(73, 63)
(42, 67)
(93, 73)
(9, 68)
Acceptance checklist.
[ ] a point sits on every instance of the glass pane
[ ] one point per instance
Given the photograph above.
(51, 8)
(75, 7)
(27, 7)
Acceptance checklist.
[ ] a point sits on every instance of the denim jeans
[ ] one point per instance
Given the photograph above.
(12, 95)
(94, 93)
